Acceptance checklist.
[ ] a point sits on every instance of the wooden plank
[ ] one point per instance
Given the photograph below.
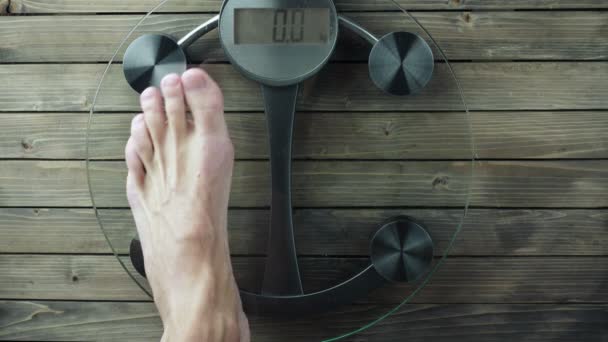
(469, 35)
(63, 135)
(56, 276)
(114, 6)
(433, 135)
(505, 232)
(344, 87)
(321, 184)
(70, 321)
(51, 231)
(51, 135)
(330, 184)
(460, 279)
(317, 136)
(62, 182)
(540, 134)
(78, 321)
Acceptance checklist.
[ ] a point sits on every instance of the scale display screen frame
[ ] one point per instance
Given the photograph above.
(276, 64)
(281, 25)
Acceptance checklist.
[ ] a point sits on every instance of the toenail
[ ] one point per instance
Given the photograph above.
(148, 93)
(138, 119)
(195, 81)
(170, 80)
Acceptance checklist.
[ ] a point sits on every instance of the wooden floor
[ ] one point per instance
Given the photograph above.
(531, 263)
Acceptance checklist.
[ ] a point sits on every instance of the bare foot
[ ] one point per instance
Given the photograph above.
(178, 185)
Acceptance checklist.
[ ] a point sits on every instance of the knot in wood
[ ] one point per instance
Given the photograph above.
(27, 145)
(440, 182)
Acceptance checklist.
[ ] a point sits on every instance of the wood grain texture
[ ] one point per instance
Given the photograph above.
(113, 6)
(113, 321)
(29, 181)
(537, 266)
(506, 232)
(469, 35)
(460, 279)
(540, 134)
(431, 135)
(317, 136)
(51, 231)
(343, 87)
(330, 184)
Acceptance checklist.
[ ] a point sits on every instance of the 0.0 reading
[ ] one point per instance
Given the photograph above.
(288, 25)
(281, 25)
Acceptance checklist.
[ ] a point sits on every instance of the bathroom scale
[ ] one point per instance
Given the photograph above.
(354, 152)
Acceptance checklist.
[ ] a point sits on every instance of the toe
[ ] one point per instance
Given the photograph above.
(205, 101)
(154, 114)
(171, 87)
(136, 168)
(142, 141)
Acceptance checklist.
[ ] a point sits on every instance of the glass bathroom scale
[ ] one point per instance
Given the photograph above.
(378, 177)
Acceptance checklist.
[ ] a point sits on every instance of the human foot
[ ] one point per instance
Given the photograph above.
(178, 186)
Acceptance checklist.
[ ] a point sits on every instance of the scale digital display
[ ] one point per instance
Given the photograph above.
(281, 25)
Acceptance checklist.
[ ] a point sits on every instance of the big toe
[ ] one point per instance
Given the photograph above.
(205, 100)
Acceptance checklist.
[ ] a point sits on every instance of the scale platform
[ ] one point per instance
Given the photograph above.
(346, 188)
